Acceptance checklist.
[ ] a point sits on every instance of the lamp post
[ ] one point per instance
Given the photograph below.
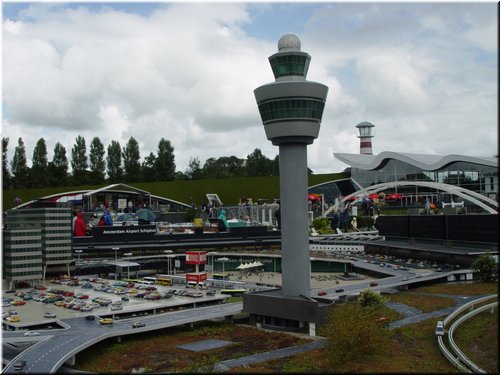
(168, 252)
(212, 254)
(78, 252)
(223, 260)
(128, 263)
(115, 249)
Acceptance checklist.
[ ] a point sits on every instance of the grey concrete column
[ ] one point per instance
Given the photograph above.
(294, 219)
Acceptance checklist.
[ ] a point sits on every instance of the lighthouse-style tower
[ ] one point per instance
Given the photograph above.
(291, 109)
(365, 137)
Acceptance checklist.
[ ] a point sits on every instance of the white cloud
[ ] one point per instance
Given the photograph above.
(424, 74)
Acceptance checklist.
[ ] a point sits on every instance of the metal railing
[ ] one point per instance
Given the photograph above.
(460, 361)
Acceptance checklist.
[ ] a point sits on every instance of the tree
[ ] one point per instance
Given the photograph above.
(79, 162)
(486, 266)
(165, 161)
(114, 161)
(225, 166)
(39, 168)
(58, 167)
(97, 162)
(353, 332)
(148, 168)
(194, 171)
(19, 167)
(371, 300)
(131, 161)
(258, 165)
(276, 166)
(6, 178)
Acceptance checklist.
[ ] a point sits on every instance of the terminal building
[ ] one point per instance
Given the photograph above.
(476, 173)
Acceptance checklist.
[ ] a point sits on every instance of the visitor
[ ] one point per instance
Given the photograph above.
(80, 228)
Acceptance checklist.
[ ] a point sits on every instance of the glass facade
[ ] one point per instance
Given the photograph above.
(291, 108)
(479, 178)
(289, 65)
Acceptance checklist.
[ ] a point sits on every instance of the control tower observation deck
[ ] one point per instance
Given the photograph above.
(291, 108)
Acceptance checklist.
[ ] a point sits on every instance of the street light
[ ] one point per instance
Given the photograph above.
(169, 269)
(116, 259)
(128, 264)
(223, 260)
(78, 252)
(212, 253)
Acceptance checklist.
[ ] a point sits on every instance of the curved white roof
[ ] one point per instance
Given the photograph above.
(423, 161)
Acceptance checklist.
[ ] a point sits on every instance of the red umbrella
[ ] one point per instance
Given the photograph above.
(393, 197)
(313, 197)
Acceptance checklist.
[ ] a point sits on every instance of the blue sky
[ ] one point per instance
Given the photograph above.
(425, 74)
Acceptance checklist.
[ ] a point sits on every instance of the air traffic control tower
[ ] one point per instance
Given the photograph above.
(291, 109)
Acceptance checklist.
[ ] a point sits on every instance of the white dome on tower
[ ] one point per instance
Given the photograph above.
(289, 41)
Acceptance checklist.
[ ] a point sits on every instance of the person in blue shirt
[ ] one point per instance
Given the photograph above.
(106, 218)
(221, 221)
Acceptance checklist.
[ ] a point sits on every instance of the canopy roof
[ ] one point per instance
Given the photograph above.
(245, 266)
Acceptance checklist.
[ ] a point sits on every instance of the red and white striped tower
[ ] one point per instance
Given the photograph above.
(365, 137)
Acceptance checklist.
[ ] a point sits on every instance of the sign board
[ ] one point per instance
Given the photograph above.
(122, 203)
(196, 257)
(196, 277)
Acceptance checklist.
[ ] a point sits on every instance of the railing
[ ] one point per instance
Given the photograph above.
(467, 366)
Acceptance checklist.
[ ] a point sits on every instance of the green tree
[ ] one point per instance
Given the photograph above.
(6, 178)
(223, 167)
(131, 161)
(165, 161)
(486, 266)
(114, 161)
(371, 300)
(58, 167)
(79, 162)
(39, 167)
(194, 171)
(276, 166)
(19, 167)
(354, 332)
(148, 168)
(258, 165)
(97, 162)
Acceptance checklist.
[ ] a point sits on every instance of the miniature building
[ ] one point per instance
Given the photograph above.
(291, 109)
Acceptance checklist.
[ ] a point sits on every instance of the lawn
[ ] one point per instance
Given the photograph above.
(412, 349)
(158, 352)
(425, 303)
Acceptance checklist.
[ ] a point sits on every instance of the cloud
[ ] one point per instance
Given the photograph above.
(424, 74)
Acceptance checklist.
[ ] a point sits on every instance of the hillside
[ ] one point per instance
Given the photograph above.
(230, 190)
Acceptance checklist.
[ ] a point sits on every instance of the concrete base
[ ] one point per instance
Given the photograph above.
(273, 310)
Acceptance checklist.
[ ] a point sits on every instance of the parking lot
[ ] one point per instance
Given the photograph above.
(64, 299)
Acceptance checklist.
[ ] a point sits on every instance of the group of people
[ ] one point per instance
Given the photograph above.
(81, 228)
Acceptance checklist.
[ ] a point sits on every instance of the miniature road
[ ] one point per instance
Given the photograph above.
(60, 345)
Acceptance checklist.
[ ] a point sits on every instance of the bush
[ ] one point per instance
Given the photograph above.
(321, 224)
(354, 332)
(365, 222)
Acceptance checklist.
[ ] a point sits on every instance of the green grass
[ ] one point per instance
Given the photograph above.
(229, 190)
(477, 337)
(412, 349)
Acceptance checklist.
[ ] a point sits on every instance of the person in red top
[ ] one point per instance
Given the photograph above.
(80, 225)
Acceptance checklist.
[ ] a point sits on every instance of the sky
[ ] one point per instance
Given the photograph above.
(425, 74)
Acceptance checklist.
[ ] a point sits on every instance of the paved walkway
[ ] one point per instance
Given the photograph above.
(411, 315)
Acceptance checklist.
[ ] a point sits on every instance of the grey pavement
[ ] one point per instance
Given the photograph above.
(275, 354)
